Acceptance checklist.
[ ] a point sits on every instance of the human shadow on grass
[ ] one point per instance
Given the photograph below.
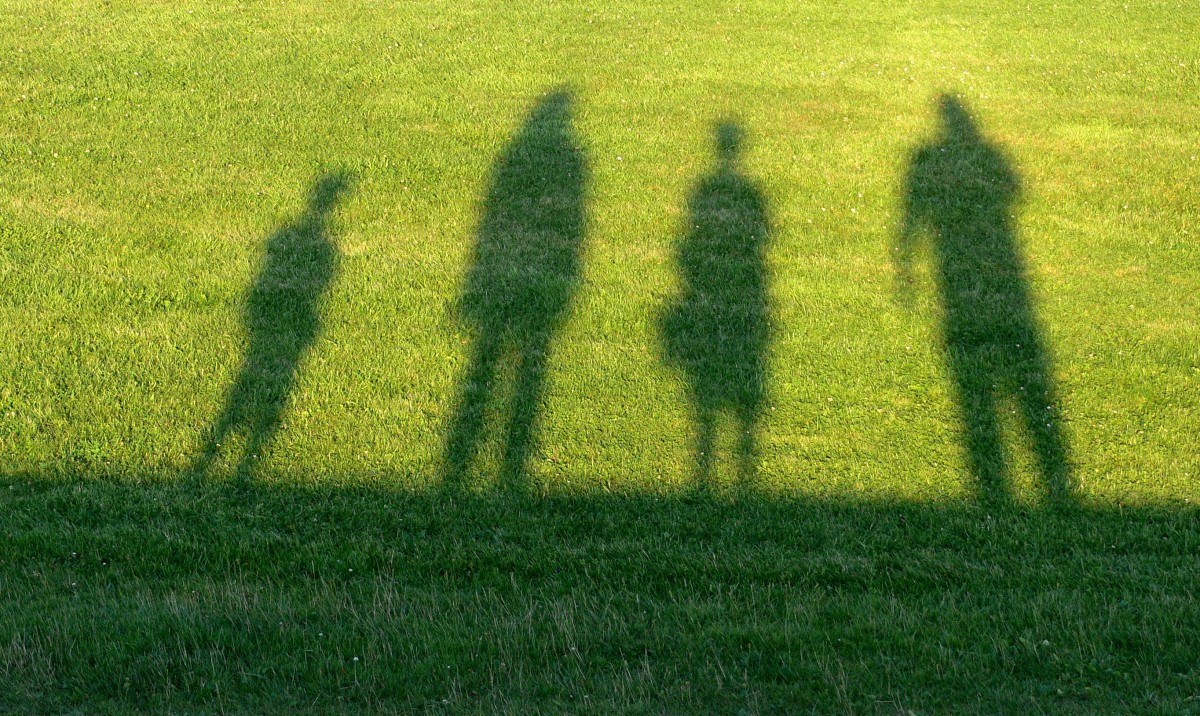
(716, 332)
(523, 274)
(282, 319)
(962, 191)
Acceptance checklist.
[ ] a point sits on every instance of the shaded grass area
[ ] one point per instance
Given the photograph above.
(559, 408)
(143, 592)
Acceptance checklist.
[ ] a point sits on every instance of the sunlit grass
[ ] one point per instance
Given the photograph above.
(150, 151)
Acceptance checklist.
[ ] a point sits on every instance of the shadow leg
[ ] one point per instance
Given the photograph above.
(253, 453)
(526, 409)
(265, 423)
(217, 434)
(1041, 414)
(706, 428)
(467, 425)
(973, 375)
(748, 445)
(221, 429)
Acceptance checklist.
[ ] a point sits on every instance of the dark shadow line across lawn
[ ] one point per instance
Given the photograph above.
(1058, 607)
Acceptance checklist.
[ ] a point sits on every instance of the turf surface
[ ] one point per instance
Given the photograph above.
(766, 356)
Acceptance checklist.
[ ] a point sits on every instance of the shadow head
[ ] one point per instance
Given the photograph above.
(552, 113)
(957, 124)
(328, 190)
(730, 138)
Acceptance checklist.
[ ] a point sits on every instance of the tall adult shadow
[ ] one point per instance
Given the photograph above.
(523, 275)
(961, 190)
(717, 331)
(282, 318)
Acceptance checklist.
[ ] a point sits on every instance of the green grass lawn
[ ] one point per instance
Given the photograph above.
(762, 357)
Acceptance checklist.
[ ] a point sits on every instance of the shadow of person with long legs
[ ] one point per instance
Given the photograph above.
(282, 320)
(523, 275)
(717, 331)
(962, 190)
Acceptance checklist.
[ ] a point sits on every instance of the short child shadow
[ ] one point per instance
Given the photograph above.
(524, 272)
(962, 190)
(716, 332)
(282, 320)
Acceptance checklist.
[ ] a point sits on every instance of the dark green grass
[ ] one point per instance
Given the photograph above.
(738, 357)
(147, 594)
